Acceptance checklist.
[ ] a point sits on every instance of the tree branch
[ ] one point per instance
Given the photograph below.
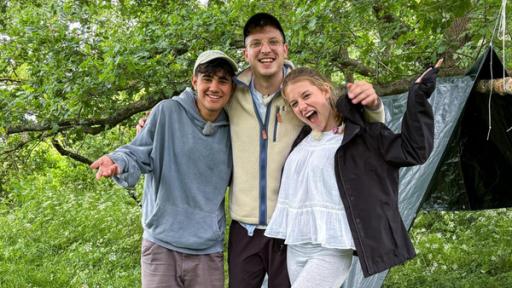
(90, 126)
(75, 156)
(402, 85)
(386, 17)
(456, 37)
(356, 66)
(349, 74)
(17, 147)
(500, 86)
(10, 80)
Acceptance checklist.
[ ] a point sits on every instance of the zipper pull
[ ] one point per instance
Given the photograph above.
(264, 134)
(278, 116)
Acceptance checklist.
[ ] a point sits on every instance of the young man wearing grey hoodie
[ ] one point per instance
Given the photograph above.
(185, 152)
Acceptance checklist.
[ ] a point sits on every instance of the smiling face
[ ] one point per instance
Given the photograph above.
(266, 51)
(213, 92)
(311, 104)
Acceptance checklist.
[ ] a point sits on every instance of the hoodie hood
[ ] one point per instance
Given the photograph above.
(187, 100)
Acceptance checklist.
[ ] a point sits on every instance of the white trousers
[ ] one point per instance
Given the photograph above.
(310, 265)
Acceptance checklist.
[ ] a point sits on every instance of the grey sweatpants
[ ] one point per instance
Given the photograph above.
(311, 265)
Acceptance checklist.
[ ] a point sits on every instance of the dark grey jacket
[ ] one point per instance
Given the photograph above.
(366, 167)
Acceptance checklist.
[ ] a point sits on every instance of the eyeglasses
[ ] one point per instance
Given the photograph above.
(272, 43)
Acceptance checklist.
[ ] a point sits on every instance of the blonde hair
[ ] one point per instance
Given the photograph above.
(317, 80)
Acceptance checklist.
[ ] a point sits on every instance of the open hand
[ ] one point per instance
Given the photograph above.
(106, 167)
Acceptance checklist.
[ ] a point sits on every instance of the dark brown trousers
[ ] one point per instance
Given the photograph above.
(251, 257)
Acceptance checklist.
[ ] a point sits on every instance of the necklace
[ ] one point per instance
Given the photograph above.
(318, 135)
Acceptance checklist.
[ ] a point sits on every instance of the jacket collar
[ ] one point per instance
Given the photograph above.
(352, 116)
(244, 77)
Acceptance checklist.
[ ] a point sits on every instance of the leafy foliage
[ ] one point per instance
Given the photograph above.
(74, 65)
(81, 72)
(60, 228)
(459, 249)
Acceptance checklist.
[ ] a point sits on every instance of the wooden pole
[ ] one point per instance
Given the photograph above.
(499, 86)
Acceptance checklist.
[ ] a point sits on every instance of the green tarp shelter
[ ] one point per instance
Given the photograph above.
(466, 170)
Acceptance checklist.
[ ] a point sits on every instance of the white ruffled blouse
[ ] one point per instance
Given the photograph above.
(309, 207)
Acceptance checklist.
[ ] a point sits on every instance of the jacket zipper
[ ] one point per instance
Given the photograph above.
(277, 120)
(262, 213)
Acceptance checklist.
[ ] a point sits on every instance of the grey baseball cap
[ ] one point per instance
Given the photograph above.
(210, 55)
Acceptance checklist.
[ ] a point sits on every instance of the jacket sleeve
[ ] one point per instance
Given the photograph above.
(135, 159)
(415, 142)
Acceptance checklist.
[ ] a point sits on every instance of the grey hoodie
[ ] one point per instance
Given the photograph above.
(188, 164)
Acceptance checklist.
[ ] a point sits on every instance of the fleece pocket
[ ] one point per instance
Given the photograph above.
(185, 228)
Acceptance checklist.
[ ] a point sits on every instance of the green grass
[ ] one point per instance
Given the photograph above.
(59, 227)
(459, 249)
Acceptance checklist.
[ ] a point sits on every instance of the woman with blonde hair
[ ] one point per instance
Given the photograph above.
(339, 189)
